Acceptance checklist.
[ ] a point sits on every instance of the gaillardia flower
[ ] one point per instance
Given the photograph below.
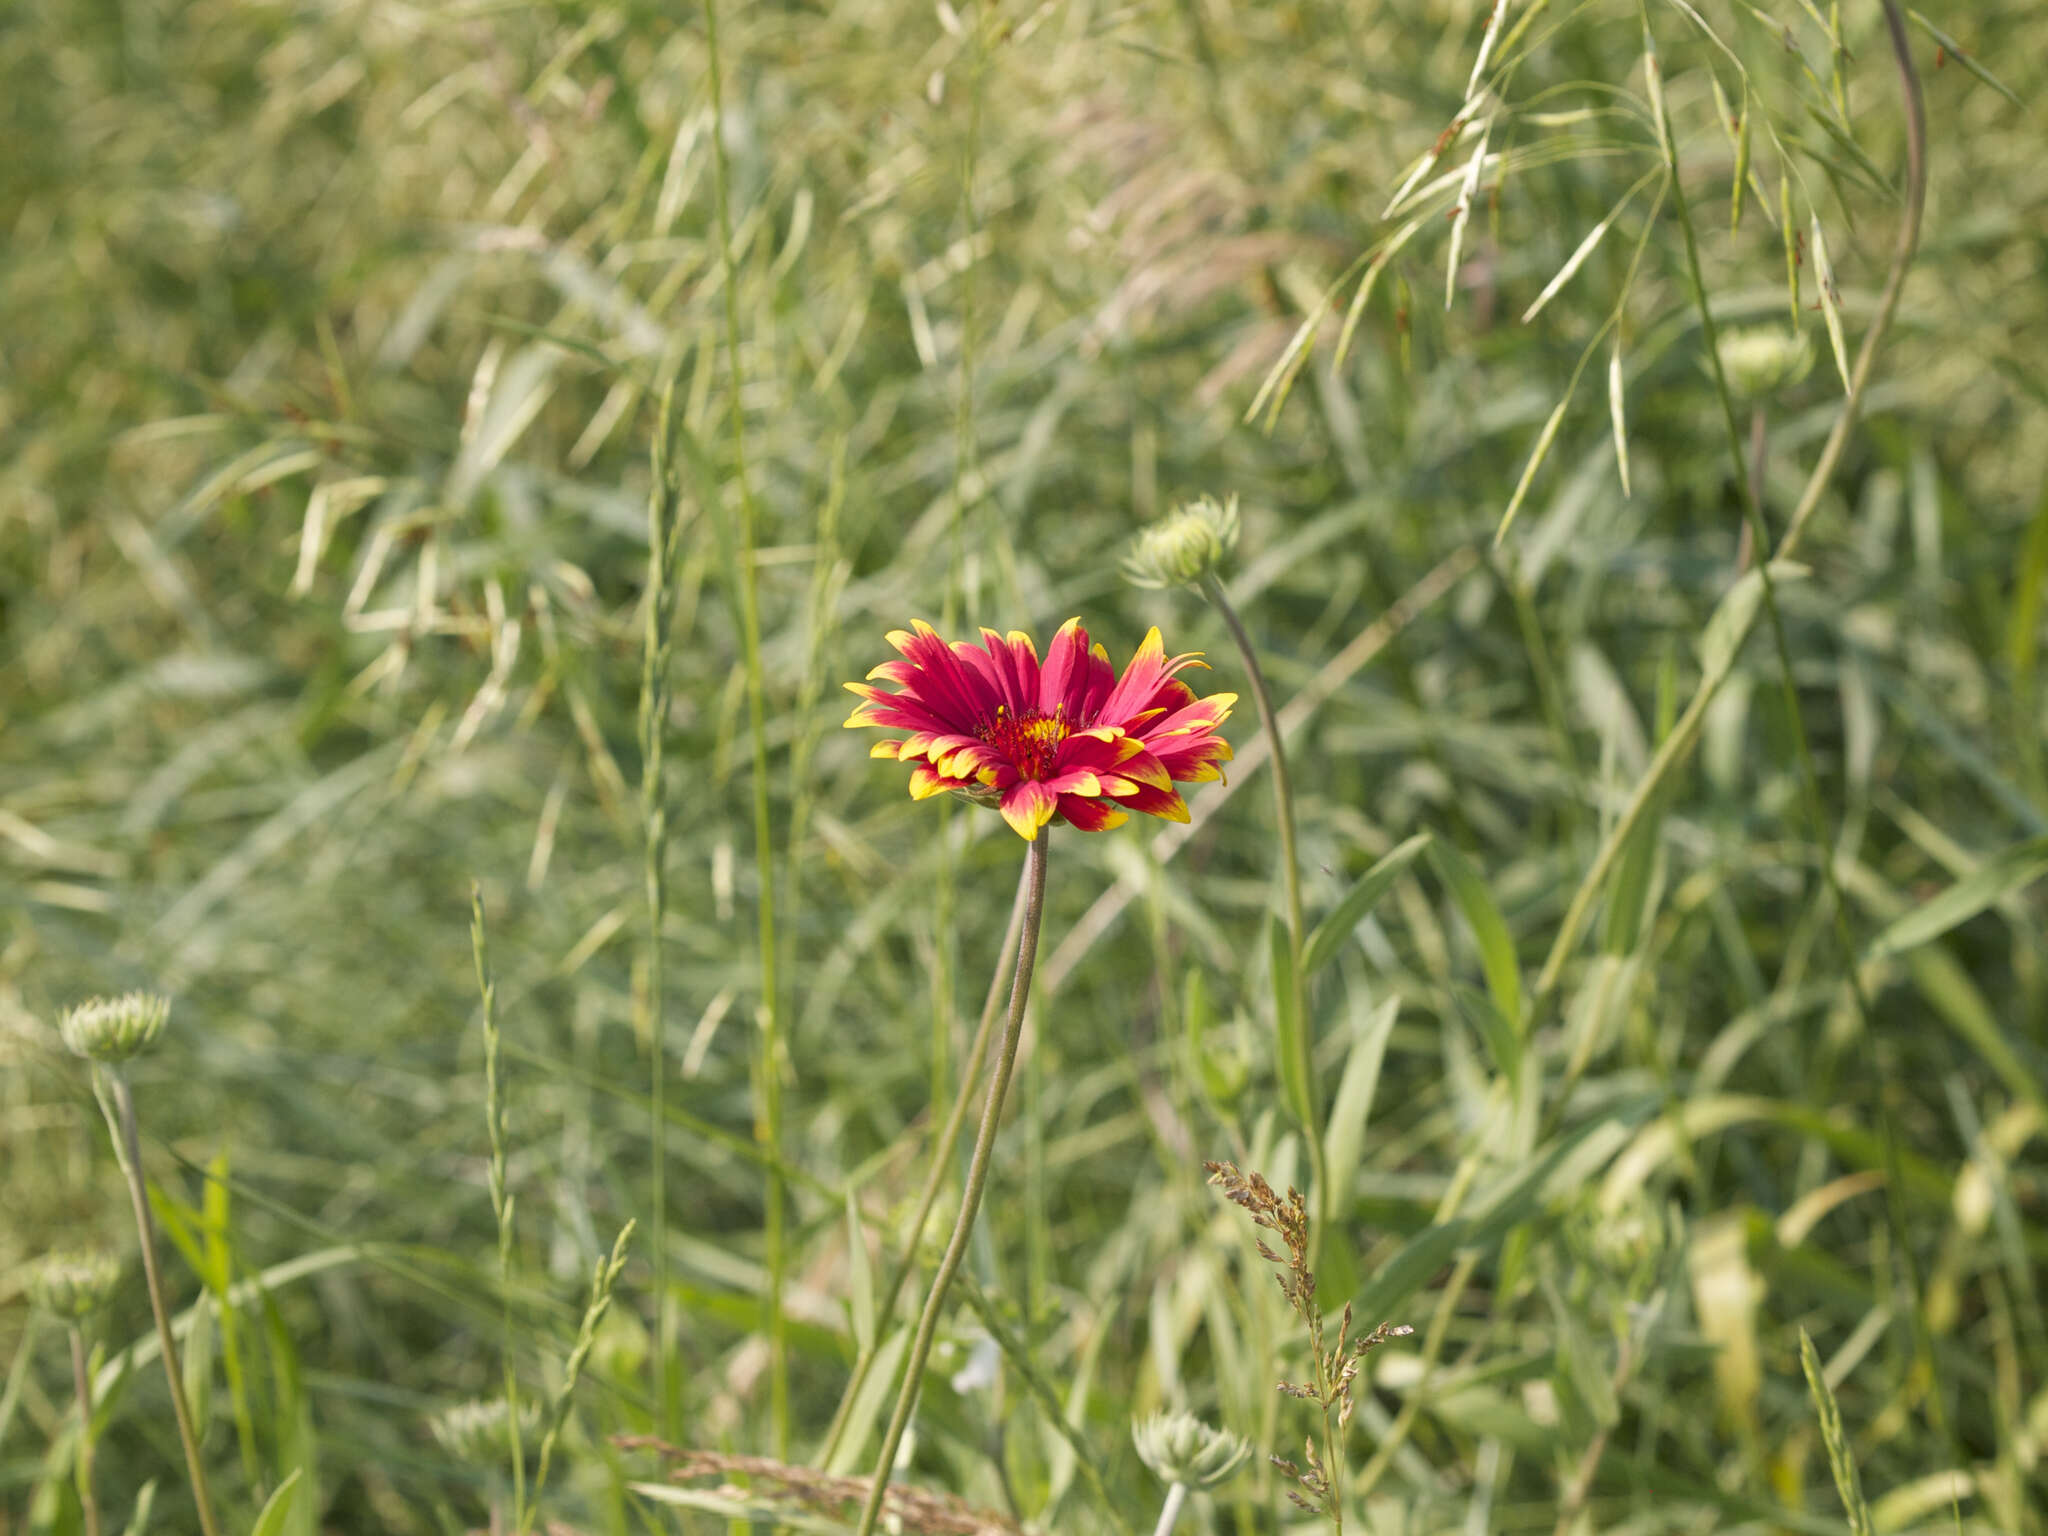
(1066, 735)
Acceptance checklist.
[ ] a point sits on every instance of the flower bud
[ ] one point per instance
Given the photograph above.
(1761, 360)
(1180, 1448)
(73, 1286)
(112, 1029)
(1184, 546)
(474, 1432)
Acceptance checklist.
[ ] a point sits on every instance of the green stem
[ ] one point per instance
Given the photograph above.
(1750, 483)
(1290, 876)
(654, 691)
(977, 1182)
(128, 1147)
(81, 1379)
(1169, 1512)
(768, 1127)
(501, 1199)
(1677, 746)
(942, 1159)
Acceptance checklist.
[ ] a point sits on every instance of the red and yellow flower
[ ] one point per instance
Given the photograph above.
(1066, 736)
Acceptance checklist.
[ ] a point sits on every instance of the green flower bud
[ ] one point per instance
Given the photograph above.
(1185, 545)
(112, 1029)
(75, 1285)
(1180, 1448)
(474, 1432)
(1761, 360)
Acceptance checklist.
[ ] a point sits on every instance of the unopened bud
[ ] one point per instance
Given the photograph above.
(1180, 1448)
(75, 1285)
(474, 1432)
(112, 1029)
(1187, 544)
(1761, 360)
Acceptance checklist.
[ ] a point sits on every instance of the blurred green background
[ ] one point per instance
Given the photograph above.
(329, 337)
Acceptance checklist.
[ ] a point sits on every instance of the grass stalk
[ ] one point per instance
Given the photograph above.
(657, 642)
(977, 1183)
(81, 1380)
(112, 1084)
(1749, 480)
(502, 1203)
(768, 1127)
(1677, 747)
(1290, 876)
(941, 1160)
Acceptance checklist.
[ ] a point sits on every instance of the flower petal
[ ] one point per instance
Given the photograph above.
(1065, 670)
(1027, 806)
(1090, 815)
(947, 688)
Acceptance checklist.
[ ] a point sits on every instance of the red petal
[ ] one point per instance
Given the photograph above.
(1090, 815)
(1065, 670)
(1027, 806)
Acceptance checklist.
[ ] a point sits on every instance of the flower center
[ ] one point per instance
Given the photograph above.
(1031, 742)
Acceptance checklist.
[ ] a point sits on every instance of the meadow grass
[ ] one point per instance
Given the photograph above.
(460, 448)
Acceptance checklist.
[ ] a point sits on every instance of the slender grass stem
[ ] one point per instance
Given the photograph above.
(128, 1152)
(941, 1160)
(81, 1380)
(1750, 482)
(662, 544)
(501, 1198)
(977, 1183)
(768, 1127)
(1678, 745)
(1290, 876)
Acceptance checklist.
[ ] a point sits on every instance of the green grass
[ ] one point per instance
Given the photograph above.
(332, 342)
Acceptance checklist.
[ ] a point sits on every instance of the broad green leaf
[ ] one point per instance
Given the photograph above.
(860, 1419)
(1997, 877)
(860, 1278)
(1948, 987)
(145, 1505)
(1519, 1199)
(277, 1508)
(1288, 1040)
(1503, 1041)
(1344, 1141)
(1579, 1358)
(1736, 615)
(1326, 941)
(1489, 928)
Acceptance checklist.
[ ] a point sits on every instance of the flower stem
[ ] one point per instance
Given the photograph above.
(1290, 876)
(1169, 1512)
(977, 1182)
(942, 1159)
(82, 1380)
(128, 1152)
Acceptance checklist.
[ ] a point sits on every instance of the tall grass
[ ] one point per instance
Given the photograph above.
(1673, 994)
